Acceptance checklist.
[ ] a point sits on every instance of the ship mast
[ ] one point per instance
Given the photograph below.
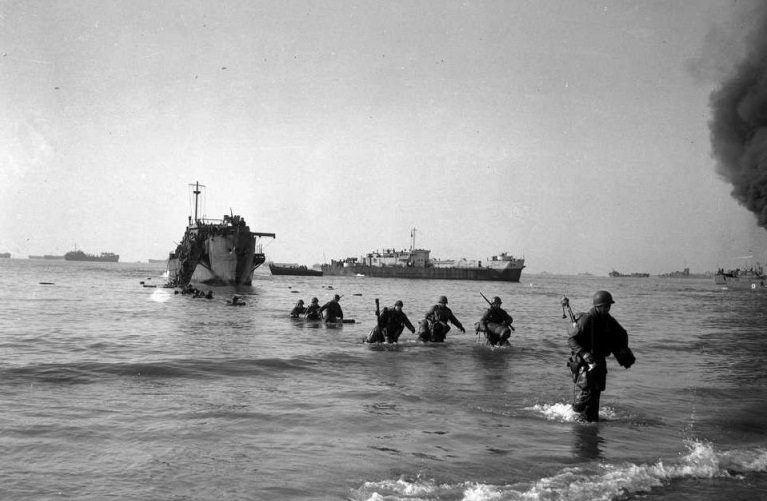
(196, 190)
(196, 195)
(412, 239)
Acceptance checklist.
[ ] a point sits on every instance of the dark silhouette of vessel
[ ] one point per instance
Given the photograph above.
(104, 257)
(293, 269)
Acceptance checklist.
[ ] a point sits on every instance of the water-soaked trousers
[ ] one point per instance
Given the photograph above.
(497, 334)
(434, 332)
(589, 385)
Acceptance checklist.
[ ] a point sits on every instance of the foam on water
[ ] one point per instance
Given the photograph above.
(564, 412)
(160, 295)
(609, 482)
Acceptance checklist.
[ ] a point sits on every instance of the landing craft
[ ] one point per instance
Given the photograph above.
(216, 251)
(416, 263)
(746, 278)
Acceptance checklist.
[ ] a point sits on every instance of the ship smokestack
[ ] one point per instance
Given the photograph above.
(739, 125)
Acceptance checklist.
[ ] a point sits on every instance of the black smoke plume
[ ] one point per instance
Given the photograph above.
(739, 126)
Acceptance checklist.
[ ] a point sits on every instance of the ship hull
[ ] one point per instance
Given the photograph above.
(225, 260)
(503, 275)
(288, 270)
(94, 260)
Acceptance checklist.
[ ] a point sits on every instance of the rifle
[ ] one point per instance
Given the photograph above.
(576, 363)
(491, 305)
(376, 335)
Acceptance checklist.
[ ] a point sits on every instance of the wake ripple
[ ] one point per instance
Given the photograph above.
(95, 372)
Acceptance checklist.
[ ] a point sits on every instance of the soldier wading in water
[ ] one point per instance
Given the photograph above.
(496, 323)
(391, 323)
(594, 335)
(434, 327)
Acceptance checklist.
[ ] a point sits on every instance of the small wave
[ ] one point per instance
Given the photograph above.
(611, 482)
(400, 489)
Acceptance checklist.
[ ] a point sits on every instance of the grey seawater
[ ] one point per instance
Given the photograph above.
(113, 390)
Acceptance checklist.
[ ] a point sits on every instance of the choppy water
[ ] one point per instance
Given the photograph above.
(111, 390)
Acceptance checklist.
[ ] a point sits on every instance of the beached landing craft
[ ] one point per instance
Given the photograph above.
(216, 251)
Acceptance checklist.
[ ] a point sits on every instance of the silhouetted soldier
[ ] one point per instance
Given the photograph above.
(593, 337)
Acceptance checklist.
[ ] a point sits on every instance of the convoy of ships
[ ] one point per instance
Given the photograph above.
(226, 252)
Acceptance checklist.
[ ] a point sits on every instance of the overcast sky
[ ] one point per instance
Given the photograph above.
(573, 133)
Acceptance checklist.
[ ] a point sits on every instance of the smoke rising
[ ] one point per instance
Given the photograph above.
(739, 126)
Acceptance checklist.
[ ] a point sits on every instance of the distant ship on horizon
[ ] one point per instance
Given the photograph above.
(616, 274)
(104, 257)
(45, 256)
(293, 269)
(5, 255)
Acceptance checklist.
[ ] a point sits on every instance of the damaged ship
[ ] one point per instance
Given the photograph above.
(216, 251)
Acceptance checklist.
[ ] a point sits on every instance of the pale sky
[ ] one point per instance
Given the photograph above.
(573, 133)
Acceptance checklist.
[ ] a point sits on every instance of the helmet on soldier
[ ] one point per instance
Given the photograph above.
(602, 298)
(497, 300)
(398, 303)
(443, 299)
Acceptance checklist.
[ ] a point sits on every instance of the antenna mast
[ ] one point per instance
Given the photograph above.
(196, 192)
(412, 239)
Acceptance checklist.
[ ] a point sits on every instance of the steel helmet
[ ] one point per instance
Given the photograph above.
(300, 301)
(315, 300)
(398, 303)
(497, 300)
(443, 299)
(602, 298)
(337, 297)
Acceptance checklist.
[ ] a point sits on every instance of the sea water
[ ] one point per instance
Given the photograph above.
(111, 388)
